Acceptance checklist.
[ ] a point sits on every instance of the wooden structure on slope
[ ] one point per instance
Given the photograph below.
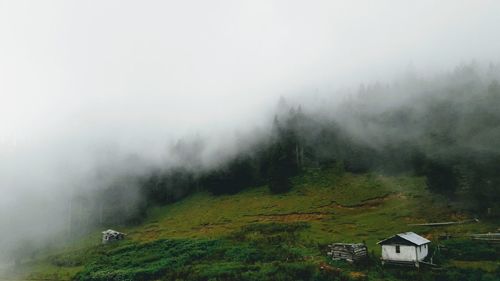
(489, 237)
(111, 235)
(446, 223)
(347, 251)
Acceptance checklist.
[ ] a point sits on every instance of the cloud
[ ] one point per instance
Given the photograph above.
(84, 85)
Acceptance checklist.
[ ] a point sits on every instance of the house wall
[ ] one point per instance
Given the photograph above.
(407, 253)
(422, 251)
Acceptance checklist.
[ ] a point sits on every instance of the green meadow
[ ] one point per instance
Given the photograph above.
(256, 235)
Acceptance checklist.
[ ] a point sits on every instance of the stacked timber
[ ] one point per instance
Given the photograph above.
(347, 251)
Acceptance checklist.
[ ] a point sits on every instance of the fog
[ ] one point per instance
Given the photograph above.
(86, 85)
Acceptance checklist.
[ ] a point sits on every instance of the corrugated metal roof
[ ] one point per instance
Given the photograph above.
(414, 238)
(411, 237)
(111, 231)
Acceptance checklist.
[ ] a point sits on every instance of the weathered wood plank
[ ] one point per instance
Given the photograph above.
(444, 223)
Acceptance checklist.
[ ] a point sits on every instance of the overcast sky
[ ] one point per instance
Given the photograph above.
(133, 75)
(82, 67)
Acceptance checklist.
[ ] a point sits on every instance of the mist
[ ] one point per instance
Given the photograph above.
(96, 91)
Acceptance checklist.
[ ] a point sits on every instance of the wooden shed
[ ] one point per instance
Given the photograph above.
(404, 248)
(347, 251)
(111, 235)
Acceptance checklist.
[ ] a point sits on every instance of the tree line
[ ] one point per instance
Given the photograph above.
(446, 129)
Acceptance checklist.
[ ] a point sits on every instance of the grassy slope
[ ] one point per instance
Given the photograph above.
(338, 208)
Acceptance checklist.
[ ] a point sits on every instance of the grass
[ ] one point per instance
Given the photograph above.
(258, 251)
(488, 266)
(339, 208)
(245, 229)
(46, 270)
(312, 199)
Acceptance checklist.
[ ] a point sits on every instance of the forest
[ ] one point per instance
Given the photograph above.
(444, 128)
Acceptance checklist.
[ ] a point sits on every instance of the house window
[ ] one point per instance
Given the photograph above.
(398, 250)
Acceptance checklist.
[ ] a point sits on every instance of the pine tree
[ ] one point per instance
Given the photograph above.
(279, 172)
(283, 158)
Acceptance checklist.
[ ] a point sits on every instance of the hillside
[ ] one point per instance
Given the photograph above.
(254, 235)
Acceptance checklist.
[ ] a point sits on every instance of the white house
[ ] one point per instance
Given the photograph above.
(405, 247)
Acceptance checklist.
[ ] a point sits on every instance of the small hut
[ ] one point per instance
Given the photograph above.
(347, 251)
(404, 248)
(111, 235)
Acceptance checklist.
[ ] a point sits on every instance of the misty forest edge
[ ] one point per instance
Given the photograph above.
(449, 137)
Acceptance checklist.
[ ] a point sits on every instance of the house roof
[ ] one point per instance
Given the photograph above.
(111, 232)
(411, 237)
